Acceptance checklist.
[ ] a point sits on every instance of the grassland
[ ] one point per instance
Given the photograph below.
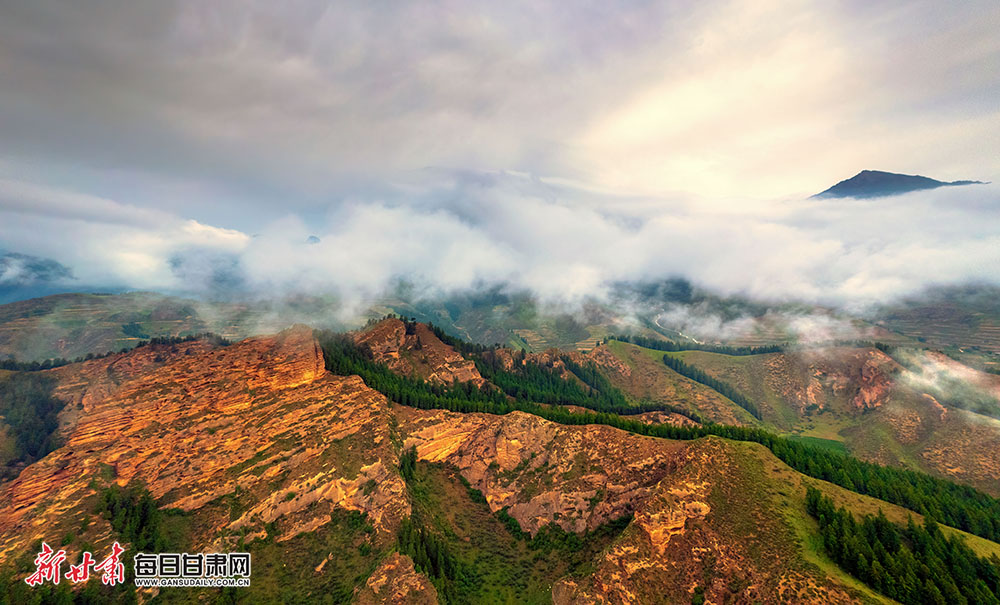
(786, 488)
(285, 572)
(904, 431)
(766, 498)
(651, 380)
(749, 374)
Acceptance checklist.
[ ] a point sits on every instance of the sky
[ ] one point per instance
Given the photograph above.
(195, 147)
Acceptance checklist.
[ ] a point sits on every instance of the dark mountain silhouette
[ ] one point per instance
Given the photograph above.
(875, 183)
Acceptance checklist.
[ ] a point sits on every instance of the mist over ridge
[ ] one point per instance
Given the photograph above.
(562, 243)
(241, 153)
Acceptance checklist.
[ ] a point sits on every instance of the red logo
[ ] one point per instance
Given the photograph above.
(48, 563)
(112, 568)
(81, 571)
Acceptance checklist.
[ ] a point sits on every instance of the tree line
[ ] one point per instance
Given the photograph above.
(523, 384)
(31, 413)
(530, 381)
(536, 382)
(430, 553)
(720, 386)
(916, 564)
(463, 347)
(671, 346)
(56, 362)
(133, 514)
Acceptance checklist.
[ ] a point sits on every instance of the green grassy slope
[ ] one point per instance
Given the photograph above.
(908, 430)
(651, 380)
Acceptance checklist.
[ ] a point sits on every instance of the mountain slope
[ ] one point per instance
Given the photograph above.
(861, 400)
(414, 350)
(876, 183)
(642, 374)
(256, 446)
(691, 506)
(251, 443)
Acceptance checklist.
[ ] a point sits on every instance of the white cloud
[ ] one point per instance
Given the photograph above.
(522, 233)
(152, 141)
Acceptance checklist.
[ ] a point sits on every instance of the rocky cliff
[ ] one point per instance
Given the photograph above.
(701, 509)
(414, 350)
(260, 419)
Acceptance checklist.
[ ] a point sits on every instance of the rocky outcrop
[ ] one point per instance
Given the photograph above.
(84, 385)
(605, 359)
(257, 440)
(539, 471)
(671, 418)
(701, 509)
(396, 582)
(260, 423)
(686, 534)
(861, 378)
(873, 379)
(508, 359)
(413, 349)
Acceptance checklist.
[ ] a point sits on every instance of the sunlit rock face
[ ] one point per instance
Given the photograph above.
(417, 351)
(396, 582)
(580, 477)
(261, 418)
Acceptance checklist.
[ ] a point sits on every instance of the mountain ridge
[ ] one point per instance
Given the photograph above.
(269, 445)
(878, 183)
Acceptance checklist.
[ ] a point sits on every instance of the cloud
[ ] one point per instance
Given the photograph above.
(951, 382)
(195, 147)
(18, 270)
(292, 105)
(748, 322)
(104, 242)
(776, 97)
(25, 276)
(448, 234)
(33, 199)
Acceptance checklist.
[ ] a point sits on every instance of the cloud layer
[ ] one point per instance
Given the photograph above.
(254, 104)
(195, 147)
(559, 242)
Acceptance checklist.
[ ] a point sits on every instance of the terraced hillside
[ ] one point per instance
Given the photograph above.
(73, 325)
(963, 318)
(70, 325)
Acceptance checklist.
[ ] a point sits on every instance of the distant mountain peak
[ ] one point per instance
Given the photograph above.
(876, 183)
